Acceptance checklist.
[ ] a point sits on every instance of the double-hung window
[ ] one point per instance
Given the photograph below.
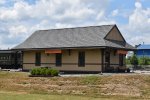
(81, 59)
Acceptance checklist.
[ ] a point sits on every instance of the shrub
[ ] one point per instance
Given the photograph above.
(134, 60)
(128, 61)
(33, 71)
(48, 72)
(44, 71)
(38, 71)
(144, 61)
(54, 72)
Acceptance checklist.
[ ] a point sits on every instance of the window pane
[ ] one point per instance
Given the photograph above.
(38, 59)
(120, 60)
(81, 59)
(58, 59)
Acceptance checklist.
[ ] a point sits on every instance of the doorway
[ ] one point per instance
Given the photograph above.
(121, 58)
(107, 59)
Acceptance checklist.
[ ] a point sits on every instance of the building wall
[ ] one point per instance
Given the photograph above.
(115, 35)
(115, 59)
(69, 62)
(141, 53)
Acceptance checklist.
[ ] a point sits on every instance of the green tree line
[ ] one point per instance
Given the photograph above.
(134, 60)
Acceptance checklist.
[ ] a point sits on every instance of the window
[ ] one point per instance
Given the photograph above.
(58, 59)
(107, 59)
(38, 59)
(81, 59)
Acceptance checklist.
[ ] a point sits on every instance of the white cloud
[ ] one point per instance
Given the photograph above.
(75, 14)
(137, 30)
(115, 12)
(100, 15)
(59, 25)
(17, 31)
(8, 14)
(22, 19)
(2, 2)
(102, 19)
(138, 5)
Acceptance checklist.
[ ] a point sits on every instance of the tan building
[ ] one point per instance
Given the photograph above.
(82, 49)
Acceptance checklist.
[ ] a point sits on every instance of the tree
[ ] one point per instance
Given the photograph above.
(144, 61)
(134, 60)
(128, 61)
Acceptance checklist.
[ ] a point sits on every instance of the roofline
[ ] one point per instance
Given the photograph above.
(118, 30)
(86, 47)
(77, 27)
(5, 50)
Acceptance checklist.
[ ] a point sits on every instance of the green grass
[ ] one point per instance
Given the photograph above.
(13, 96)
(90, 80)
(16, 96)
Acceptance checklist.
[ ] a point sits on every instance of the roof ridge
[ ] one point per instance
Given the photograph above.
(76, 27)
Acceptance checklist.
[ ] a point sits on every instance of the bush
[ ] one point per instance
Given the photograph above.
(38, 71)
(54, 72)
(128, 61)
(33, 71)
(144, 61)
(134, 60)
(48, 72)
(44, 71)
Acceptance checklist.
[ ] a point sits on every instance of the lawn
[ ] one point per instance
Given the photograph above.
(18, 96)
(15, 96)
(16, 85)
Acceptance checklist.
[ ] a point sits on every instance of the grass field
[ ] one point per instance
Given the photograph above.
(18, 96)
(17, 85)
(15, 96)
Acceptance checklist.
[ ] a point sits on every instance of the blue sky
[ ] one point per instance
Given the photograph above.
(20, 18)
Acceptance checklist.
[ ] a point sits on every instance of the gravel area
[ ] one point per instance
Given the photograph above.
(142, 72)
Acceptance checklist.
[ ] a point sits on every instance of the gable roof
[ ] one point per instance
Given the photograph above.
(118, 33)
(92, 36)
(143, 46)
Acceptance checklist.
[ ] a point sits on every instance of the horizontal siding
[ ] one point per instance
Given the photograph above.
(69, 61)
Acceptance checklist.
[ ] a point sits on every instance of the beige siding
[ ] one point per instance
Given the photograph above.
(72, 58)
(28, 57)
(115, 35)
(69, 62)
(114, 58)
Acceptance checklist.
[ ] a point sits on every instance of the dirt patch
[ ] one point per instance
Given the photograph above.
(14, 92)
(125, 85)
(120, 89)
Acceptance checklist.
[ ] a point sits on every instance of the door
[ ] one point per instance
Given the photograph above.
(37, 59)
(58, 59)
(81, 59)
(107, 59)
(121, 56)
